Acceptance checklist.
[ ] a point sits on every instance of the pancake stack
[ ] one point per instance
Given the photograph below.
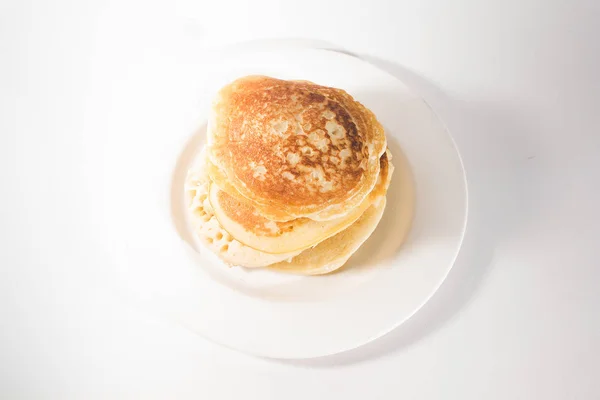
(294, 176)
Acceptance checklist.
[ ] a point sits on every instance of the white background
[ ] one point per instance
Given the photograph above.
(516, 83)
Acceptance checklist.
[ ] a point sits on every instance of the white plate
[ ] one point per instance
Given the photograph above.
(263, 312)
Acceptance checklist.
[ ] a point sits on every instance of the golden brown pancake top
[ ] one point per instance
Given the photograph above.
(295, 145)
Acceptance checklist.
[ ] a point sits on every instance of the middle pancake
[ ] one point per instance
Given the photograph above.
(248, 226)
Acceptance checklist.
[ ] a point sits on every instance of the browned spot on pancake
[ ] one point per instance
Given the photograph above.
(315, 98)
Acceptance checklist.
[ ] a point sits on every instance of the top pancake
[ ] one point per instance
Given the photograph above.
(293, 148)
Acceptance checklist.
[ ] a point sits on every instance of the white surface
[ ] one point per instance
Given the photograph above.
(516, 83)
(263, 312)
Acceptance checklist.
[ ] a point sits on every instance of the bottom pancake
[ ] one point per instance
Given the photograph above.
(333, 253)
